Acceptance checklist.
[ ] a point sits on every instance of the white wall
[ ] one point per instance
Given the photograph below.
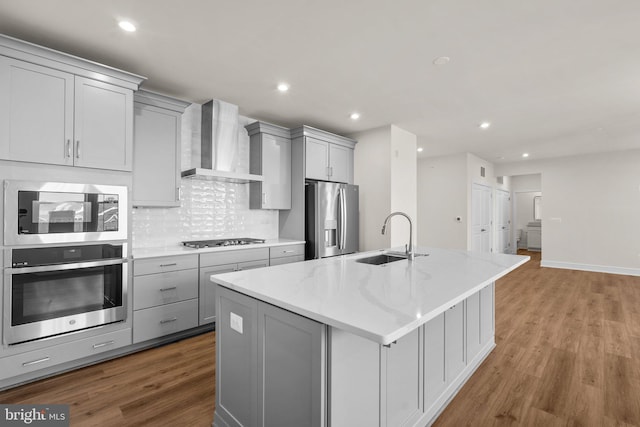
(403, 184)
(529, 182)
(372, 171)
(442, 196)
(591, 210)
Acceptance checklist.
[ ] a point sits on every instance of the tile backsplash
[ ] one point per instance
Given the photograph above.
(209, 209)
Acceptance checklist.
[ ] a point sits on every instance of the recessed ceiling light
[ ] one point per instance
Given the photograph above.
(355, 116)
(441, 60)
(127, 26)
(420, 149)
(485, 125)
(525, 154)
(283, 87)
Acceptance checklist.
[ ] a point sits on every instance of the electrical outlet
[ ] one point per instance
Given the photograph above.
(236, 322)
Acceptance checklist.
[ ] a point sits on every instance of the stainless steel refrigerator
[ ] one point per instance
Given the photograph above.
(331, 222)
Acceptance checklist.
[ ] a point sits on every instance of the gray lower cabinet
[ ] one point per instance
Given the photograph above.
(224, 262)
(270, 365)
(165, 296)
(24, 363)
(286, 254)
(455, 357)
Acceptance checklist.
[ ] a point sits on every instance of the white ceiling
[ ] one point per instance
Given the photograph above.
(554, 77)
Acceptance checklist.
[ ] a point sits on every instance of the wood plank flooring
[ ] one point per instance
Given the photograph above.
(568, 354)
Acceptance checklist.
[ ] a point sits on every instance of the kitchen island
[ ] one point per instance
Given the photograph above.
(344, 343)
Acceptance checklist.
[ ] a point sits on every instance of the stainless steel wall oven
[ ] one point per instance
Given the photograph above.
(50, 291)
(65, 258)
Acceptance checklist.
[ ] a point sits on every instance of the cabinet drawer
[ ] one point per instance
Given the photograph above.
(233, 257)
(164, 320)
(286, 251)
(19, 364)
(156, 289)
(287, 259)
(163, 264)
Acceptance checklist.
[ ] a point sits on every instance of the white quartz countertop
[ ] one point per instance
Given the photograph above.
(378, 302)
(140, 253)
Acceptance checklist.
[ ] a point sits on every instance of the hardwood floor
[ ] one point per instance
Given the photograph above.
(173, 385)
(568, 354)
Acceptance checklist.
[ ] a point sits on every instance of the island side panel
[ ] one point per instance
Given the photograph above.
(236, 359)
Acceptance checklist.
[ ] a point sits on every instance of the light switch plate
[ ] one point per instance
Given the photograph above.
(236, 322)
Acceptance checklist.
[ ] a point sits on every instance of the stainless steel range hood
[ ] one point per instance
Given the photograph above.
(218, 151)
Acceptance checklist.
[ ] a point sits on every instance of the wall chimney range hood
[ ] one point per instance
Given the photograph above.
(218, 151)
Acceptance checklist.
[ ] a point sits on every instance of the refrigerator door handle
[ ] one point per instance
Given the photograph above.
(343, 218)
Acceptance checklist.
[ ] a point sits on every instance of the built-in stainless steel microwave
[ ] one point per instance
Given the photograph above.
(55, 212)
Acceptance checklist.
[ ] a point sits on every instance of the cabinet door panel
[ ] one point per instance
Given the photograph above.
(291, 353)
(472, 305)
(340, 164)
(156, 154)
(103, 125)
(316, 159)
(454, 341)
(487, 327)
(36, 113)
(435, 375)
(402, 367)
(276, 172)
(208, 291)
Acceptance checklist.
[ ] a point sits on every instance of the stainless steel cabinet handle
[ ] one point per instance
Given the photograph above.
(168, 289)
(35, 362)
(288, 252)
(169, 265)
(482, 229)
(103, 344)
(168, 320)
(178, 193)
(78, 149)
(264, 198)
(68, 148)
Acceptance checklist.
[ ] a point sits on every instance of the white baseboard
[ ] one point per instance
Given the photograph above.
(589, 267)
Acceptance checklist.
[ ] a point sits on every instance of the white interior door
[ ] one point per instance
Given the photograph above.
(481, 208)
(503, 222)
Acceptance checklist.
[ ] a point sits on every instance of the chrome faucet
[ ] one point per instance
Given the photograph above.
(407, 250)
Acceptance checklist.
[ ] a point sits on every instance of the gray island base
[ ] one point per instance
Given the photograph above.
(307, 344)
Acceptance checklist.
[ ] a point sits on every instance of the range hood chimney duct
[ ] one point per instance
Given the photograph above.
(218, 152)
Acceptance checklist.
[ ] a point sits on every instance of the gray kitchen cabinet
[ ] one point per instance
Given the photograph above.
(401, 374)
(435, 374)
(103, 131)
(165, 296)
(454, 327)
(286, 254)
(224, 262)
(487, 314)
(328, 161)
(24, 363)
(156, 149)
(36, 113)
(271, 365)
(54, 117)
(270, 156)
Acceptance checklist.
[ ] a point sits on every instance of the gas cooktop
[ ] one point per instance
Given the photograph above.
(198, 244)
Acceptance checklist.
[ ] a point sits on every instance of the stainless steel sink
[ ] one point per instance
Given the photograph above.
(380, 259)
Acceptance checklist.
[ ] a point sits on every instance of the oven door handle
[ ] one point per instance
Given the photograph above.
(59, 267)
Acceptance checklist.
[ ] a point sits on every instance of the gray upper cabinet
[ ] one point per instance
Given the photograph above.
(270, 156)
(156, 150)
(63, 110)
(36, 113)
(327, 157)
(103, 132)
